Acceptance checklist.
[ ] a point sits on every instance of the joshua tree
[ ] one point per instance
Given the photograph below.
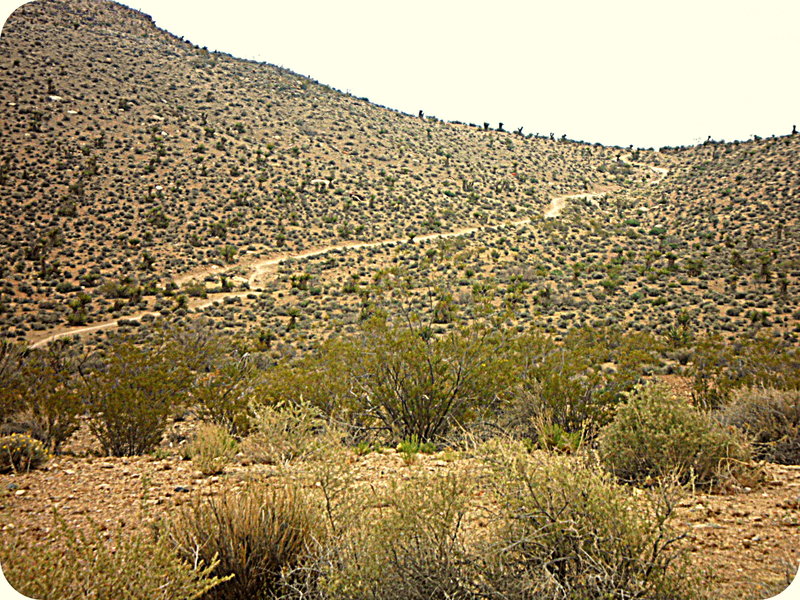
(228, 251)
(783, 285)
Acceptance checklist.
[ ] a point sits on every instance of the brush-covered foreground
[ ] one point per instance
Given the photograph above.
(396, 464)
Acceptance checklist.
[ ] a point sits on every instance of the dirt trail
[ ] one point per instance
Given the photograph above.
(259, 270)
(257, 277)
(660, 171)
(558, 203)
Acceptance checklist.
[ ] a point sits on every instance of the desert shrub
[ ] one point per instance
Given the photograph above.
(257, 534)
(131, 399)
(654, 435)
(576, 383)
(412, 547)
(21, 453)
(418, 385)
(567, 530)
(770, 418)
(41, 392)
(405, 381)
(224, 393)
(398, 379)
(11, 356)
(287, 432)
(320, 379)
(562, 529)
(720, 366)
(211, 449)
(88, 565)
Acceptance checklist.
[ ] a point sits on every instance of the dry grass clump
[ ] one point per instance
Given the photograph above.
(287, 432)
(403, 542)
(212, 448)
(79, 564)
(653, 436)
(770, 418)
(257, 534)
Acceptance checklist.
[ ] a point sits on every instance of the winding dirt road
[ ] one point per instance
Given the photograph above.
(660, 171)
(559, 203)
(260, 270)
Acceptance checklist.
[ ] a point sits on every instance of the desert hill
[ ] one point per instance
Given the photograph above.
(132, 160)
(131, 157)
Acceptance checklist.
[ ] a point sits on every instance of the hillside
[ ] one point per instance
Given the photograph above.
(131, 157)
(132, 160)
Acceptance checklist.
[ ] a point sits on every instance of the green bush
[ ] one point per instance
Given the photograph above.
(132, 398)
(770, 418)
(77, 565)
(258, 535)
(11, 356)
(399, 379)
(567, 530)
(653, 435)
(224, 393)
(576, 383)
(40, 392)
(417, 385)
(212, 448)
(320, 380)
(21, 453)
(406, 381)
(720, 366)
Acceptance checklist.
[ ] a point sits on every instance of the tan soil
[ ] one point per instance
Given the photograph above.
(745, 542)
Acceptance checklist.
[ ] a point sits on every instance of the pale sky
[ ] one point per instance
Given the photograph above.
(617, 72)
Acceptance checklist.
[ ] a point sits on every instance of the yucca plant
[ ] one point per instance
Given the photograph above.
(553, 437)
